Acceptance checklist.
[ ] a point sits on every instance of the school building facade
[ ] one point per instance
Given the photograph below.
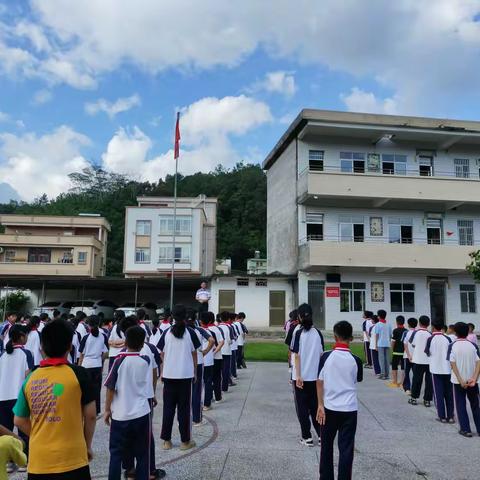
(376, 211)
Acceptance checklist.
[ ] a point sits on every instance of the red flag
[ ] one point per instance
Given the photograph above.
(177, 138)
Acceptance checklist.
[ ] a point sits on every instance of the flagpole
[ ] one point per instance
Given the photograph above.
(172, 273)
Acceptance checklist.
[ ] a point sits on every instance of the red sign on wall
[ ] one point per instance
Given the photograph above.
(332, 291)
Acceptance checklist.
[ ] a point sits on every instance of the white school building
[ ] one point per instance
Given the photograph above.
(376, 211)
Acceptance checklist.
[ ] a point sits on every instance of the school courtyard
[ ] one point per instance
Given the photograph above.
(254, 435)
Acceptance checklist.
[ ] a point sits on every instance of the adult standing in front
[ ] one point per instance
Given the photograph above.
(203, 296)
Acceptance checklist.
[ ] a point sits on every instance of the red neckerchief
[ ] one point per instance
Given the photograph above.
(18, 346)
(341, 346)
(382, 320)
(165, 322)
(128, 354)
(53, 362)
(437, 333)
(223, 323)
(141, 322)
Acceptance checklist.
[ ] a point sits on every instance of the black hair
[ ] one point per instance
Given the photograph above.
(424, 320)
(10, 313)
(15, 333)
(382, 314)
(155, 323)
(205, 318)
(452, 326)
(472, 326)
(461, 330)
(400, 319)
(412, 322)
(135, 337)
(44, 317)
(343, 330)
(305, 314)
(211, 318)
(105, 322)
(141, 314)
(241, 315)
(367, 314)
(374, 319)
(70, 316)
(94, 323)
(56, 313)
(232, 316)
(118, 316)
(64, 316)
(56, 338)
(224, 316)
(437, 324)
(293, 315)
(128, 322)
(33, 322)
(81, 315)
(179, 313)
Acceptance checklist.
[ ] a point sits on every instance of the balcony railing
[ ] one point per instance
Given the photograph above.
(397, 172)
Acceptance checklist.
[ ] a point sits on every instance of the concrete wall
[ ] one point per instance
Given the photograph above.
(282, 247)
(253, 300)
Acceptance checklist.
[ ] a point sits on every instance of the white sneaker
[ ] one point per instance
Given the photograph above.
(307, 442)
(199, 424)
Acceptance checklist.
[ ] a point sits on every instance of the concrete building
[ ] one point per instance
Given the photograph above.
(149, 237)
(257, 265)
(376, 211)
(48, 245)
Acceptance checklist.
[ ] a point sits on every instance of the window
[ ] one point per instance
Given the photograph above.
(39, 255)
(352, 297)
(434, 231)
(468, 299)
(261, 282)
(462, 167)
(181, 254)
(242, 282)
(400, 230)
(142, 255)
(351, 229)
(9, 256)
(315, 160)
(67, 257)
(183, 225)
(82, 258)
(394, 164)
(425, 165)
(352, 162)
(465, 232)
(314, 225)
(402, 297)
(144, 227)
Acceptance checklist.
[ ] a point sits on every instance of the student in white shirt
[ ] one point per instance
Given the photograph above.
(82, 327)
(373, 347)
(15, 364)
(33, 340)
(233, 359)
(366, 326)
(437, 351)
(407, 354)
(142, 317)
(116, 340)
(206, 344)
(241, 340)
(451, 332)
(127, 407)
(464, 358)
(421, 363)
(178, 347)
(11, 319)
(226, 350)
(339, 372)
(216, 384)
(93, 350)
(156, 332)
(307, 347)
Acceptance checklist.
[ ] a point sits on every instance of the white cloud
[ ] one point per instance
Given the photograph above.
(42, 96)
(40, 164)
(34, 33)
(205, 126)
(4, 117)
(367, 102)
(113, 108)
(277, 82)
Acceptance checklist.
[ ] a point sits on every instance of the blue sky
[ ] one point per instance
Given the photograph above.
(91, 81)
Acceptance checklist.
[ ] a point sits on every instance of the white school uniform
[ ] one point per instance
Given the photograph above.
(241, 334)
(6, 333)
(465, 354)
(151, 351)
(177, 354)
(82, 329)
(129, 379)
(368, 325)
(227, 346)
(33, 345)
(406, 343)
(218, 335)
(155, 337)
(437, 351)
(340, 371)
(373, 338)
(452, 337)
(115, 336)
(418, 341)
(309, 346)
(148, 332)
(41, 326)
(234, 334)
(164, 325)
(203, 336)
(13, 369)
(93, 349)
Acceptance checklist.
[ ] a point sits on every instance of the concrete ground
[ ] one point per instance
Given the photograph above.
(254, 435)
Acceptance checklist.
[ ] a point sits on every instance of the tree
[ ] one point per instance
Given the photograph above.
(15, 302)
(474, 267)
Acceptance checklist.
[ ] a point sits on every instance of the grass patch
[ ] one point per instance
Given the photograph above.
(278, 352)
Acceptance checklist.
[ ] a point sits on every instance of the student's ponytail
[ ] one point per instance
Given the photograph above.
(94, 323)
(16, 333)
(306, 316)
(155, 323)
(179, 326)
(9, 347)
(33, 323)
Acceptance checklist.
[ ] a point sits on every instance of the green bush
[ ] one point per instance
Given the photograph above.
(16, 302)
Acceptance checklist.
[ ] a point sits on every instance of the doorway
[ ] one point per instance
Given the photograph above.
(226, 301)
(437, 301)
(277, 308)
(316, 299)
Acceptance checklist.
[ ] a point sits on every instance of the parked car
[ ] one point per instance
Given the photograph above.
(49, 307)
(130, 309)
(94, 307)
